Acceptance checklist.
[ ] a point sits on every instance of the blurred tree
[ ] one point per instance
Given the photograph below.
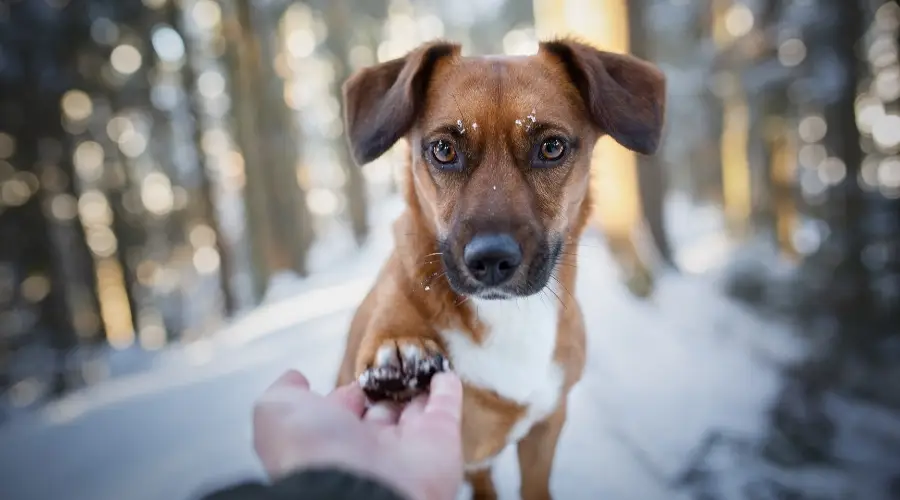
(651, 173)
(126, 95)
(752, 59)
(277, 216)
(241, 62)
(95, 247)
(153, 176)
(836, 295)
(46, 273)
(203, 205)
(279, 134)
(815, 178)
(340, 21)
(706, 155)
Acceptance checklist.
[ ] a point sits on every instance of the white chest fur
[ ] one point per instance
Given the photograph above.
(515, 359)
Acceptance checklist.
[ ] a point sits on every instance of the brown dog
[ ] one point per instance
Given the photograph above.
(497, 189)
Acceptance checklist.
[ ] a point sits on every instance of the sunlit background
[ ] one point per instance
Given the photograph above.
(178, 209)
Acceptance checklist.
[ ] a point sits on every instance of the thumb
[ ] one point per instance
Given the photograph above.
(445, 399)
(442, 413)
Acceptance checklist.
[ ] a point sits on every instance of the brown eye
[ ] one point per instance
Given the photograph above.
(443, 152)
(553, 149)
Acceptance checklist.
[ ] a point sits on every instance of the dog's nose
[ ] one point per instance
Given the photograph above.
(492, 258)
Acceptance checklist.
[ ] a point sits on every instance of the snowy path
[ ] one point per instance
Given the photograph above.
(661, 374)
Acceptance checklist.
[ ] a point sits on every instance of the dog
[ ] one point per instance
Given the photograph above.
(497, 191)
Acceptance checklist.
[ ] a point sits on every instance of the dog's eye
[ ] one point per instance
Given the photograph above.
(443, 152)
(552, 149)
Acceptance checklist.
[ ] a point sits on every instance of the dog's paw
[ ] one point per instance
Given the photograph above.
(402, 369)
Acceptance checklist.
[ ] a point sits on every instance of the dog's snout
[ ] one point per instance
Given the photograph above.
(492, 258)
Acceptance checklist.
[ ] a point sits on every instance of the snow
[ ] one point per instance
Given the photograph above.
(662, 375)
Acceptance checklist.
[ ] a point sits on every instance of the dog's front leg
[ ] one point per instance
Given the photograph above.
(536, 451)
(482, 484)
(398, 367)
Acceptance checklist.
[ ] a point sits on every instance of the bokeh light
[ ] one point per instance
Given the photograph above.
(7, 146)
(64, 207)
(104, 31)
(126, 59)
(207, 14)
(792, 52)
(211, 84)
(77, 105)
(739, 20)
(88, 160)
(156, 194)
(168, 44)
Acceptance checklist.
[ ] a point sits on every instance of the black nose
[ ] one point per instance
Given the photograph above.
(492, 258)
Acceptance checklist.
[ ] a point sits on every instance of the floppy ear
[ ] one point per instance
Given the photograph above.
(625, 96)
(381, 102)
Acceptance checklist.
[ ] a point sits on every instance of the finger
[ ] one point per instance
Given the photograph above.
(290, 387)
(350, 397)
(413, 410)
(291, 378)
(445, 400)
(382, 414)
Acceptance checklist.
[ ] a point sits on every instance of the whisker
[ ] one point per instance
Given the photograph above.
(558, 282)
(563, 304)
(434, 277)
(543, 295)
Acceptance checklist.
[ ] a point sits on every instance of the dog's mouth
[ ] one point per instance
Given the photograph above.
(501, 277)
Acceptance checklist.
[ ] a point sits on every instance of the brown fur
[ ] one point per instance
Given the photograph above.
(571, 90)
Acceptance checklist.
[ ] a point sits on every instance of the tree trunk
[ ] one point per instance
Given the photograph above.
(205, 204)
(34, 242)
(338, 17)
(278, 151)
(243, 62)
(651, 173)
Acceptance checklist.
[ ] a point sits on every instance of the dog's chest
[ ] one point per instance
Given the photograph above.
(515, 359)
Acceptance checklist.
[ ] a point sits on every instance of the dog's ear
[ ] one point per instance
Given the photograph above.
(381, 102)
(625, 96)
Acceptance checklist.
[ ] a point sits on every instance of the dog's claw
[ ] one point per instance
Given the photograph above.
(401, 372)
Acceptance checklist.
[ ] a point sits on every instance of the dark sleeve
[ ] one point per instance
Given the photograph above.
(310, 484)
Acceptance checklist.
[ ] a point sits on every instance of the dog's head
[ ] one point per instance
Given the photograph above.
(501, 147)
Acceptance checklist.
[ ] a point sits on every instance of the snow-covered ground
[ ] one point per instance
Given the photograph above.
(662, 375)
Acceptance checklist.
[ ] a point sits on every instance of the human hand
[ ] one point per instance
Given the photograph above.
(418, 450)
